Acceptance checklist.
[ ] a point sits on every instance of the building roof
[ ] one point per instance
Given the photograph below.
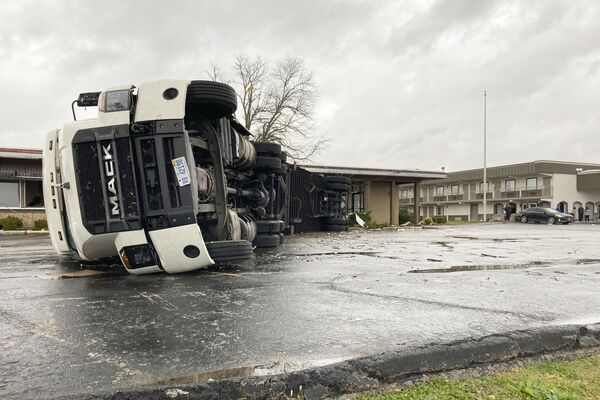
(523, 169)
(31, 154)
(397, 175)
(15, 169)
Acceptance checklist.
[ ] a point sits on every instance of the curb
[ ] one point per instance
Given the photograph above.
(25, 232)
(367, 373)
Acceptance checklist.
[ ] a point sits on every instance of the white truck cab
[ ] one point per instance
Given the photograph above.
(162, 178)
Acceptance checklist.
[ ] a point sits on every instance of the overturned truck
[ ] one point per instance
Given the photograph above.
(168, 180)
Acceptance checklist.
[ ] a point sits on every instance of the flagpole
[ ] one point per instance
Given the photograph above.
(484, 157)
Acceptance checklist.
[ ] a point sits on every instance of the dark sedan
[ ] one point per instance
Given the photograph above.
(547, 215)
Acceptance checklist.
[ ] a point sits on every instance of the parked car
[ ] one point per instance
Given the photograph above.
(547, 215)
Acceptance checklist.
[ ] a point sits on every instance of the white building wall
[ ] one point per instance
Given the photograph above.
(457, 209)
(564, 188)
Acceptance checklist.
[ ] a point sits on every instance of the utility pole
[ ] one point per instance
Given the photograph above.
(484, 157)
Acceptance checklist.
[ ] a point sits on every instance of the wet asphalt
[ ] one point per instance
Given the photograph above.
(318, 299)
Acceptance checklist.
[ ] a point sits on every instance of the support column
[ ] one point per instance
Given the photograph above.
(416, 201)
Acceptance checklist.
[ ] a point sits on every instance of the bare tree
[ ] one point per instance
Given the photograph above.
(278, 102)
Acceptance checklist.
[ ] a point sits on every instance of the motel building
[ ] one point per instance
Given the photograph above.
(555, 184)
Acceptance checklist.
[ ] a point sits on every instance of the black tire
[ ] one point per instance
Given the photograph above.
(334, 228)
(335, 221)
(267, 240)
(338, 187)
(211, 99)
(263, 227)
(272, 149)
(551, 220)
(524, 219)
(283, 156)
(229, 250)
(272, 164)
(338, 179)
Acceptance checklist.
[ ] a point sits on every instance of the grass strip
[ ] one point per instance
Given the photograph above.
(556, 380)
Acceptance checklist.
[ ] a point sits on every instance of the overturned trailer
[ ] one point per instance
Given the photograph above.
(168, 180)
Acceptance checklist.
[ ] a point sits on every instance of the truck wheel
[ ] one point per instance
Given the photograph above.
(335, 221)
(271, 164)
(267, 240)
(338, 187)
(211, 99)
(268, 226)
(334, 228)
(337, 179)
(283, 156)
(229, 250)
(267, 148)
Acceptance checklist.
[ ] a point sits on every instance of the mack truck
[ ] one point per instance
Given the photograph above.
(165, 178)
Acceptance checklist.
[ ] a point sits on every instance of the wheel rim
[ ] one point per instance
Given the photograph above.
(524, 219)
(551, 220)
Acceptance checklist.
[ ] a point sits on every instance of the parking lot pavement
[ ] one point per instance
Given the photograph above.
(318, 299)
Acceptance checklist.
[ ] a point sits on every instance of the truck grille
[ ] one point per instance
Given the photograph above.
(106, 181)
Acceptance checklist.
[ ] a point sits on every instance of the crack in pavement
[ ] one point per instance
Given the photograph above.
(524, 316)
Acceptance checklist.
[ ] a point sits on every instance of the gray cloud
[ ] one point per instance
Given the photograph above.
(401, 83)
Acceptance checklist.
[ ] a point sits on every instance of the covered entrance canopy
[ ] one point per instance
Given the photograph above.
(376, 190)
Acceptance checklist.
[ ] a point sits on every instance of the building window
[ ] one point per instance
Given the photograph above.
(531, 183)
(33, 194)
(510, 185)
(9, 194)
(406, 194)
(358, 202)
(439, 191)
(454, 190)
(440, 210)
(481, 189)
(498, 208)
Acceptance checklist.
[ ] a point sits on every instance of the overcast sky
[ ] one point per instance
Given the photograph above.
(401, 82)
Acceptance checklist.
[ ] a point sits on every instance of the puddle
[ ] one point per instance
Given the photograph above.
(204, 377)
(243, 372)
(587, 261)
(332, 253)
(85, 273)
(463, 268)
(491, 255)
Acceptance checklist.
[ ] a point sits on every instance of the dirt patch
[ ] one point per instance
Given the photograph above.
(85, 273)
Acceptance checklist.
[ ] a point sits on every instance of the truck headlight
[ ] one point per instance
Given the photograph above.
(138, 256)
(117, 100)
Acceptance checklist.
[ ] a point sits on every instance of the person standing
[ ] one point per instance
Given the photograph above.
(507, 212)
(574, 213)
(580, 213)
(587, 213)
